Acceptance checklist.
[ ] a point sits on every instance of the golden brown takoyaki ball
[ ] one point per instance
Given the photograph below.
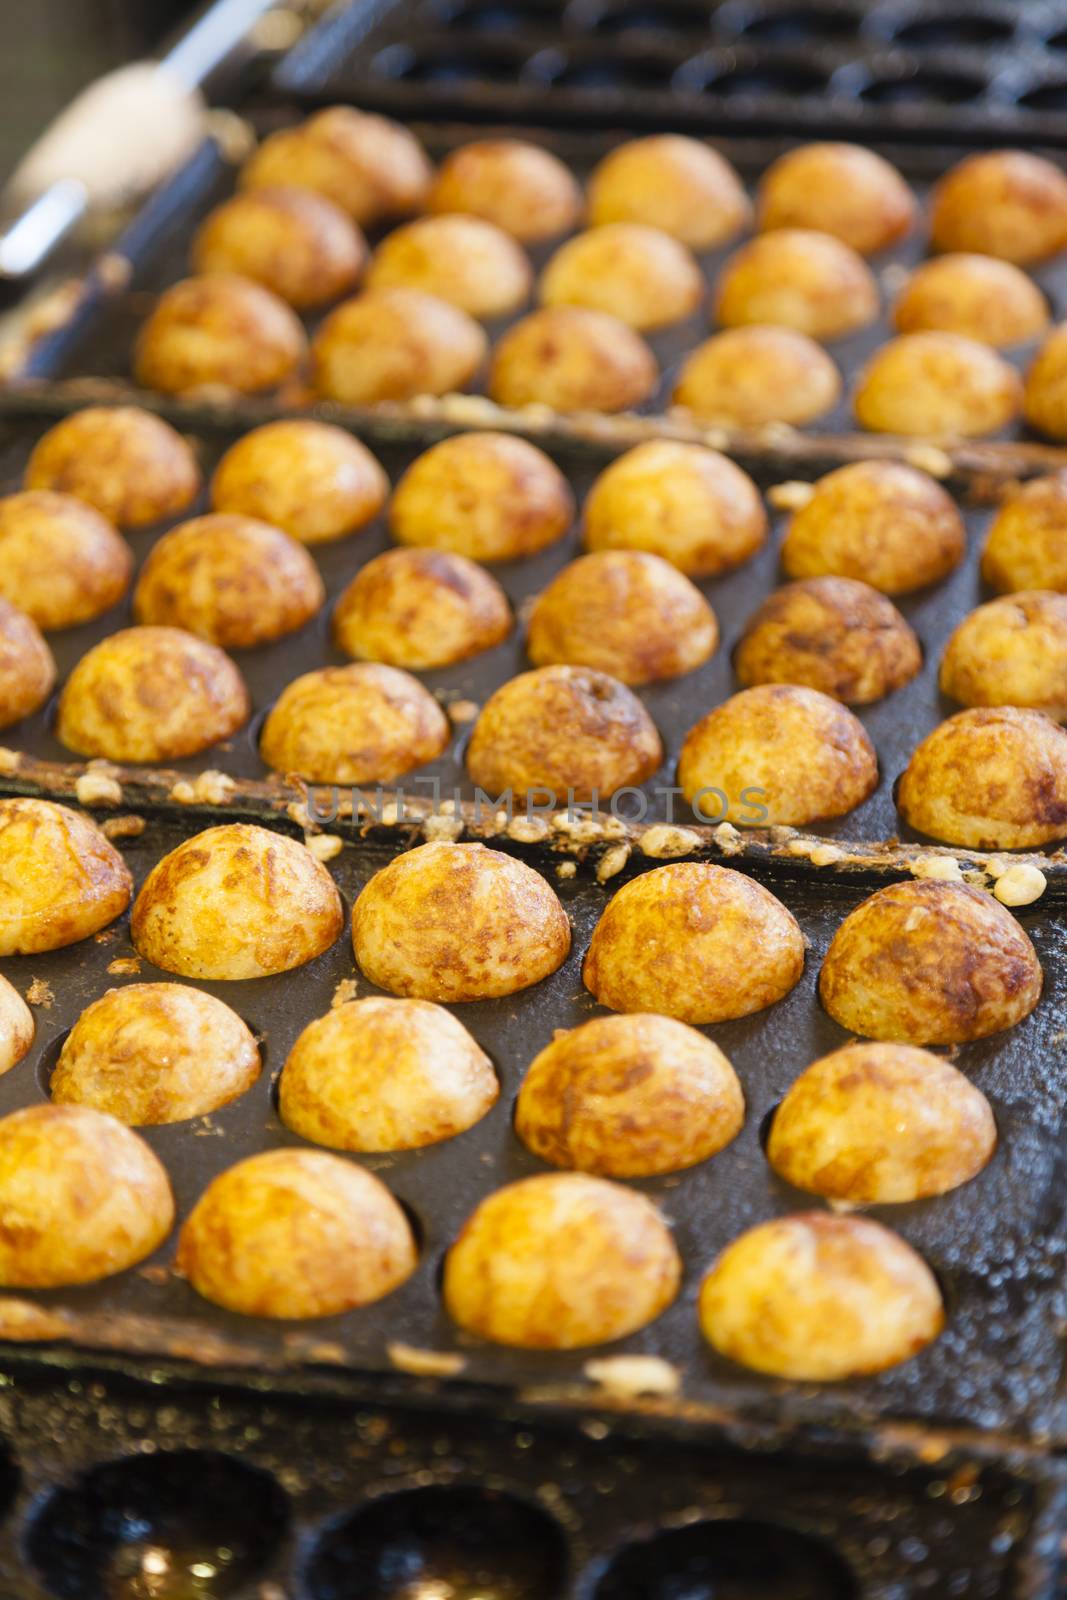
(421, 609)
(881, 522)
(818, 1298)
(560, 1261)
(295, 242)
(394, 344)
(487, 496)
(797, 278)
(696, 942)
(840, 189)
(1011, 652)
(133, 467)
(151, 694)
(1005, 203)
(518, 186)
(17, 1027)
(369, 166)
(624, 612)
(155, 1052)
(219, 331)
(877, 1124)
(469, 262)
(406, 922)
(61, 562)
(629, 1097)
(365, 723)
(937, 384)
(1045, 401)
(832, 634)
(748, 377)
(60, 879)
(929, 962)
(1027, 543)
(295, 1233)
(572, 359)
(313, 480)
(236, 902)
(670, 182)
(380, 1074)
(231, 580)
(27, 667)
(690, 505)
(563, 731)
(978, 296)
(641, 275)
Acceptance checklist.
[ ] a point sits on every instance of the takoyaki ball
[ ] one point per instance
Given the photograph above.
(455, 922)
(777, 754)
(641, 275)
(1005, 203)
(487, 496)
(748, 377)
(151, 694)
(1011, 652)
(131, 466)
(690, 505)
(667, 181)
(61, 562)
(365, 723)
(1045, 402)
(369, 166)
(377, 1075)
(881, 522)
(219, 331)
(294, 242)
(694, 941)
(82, 1197)
(881, 1124)
(421, 609)
(629, 1097)
(17, 1027)
(564, 731)
(236, 902)
(295, 1233)
(518, 186)
(27, 667)
(797, 278)
(929, 962)
(840, 189)
(977, 296)
(1027, 543)
(469, 262)
(560, 1261)
(836, 635)
(572, 359)
(394, 344)
(60, 879)
(151, 1053)
(937, 384)
(231, 580)
(818, 1298)
(989, 778)
(624, 612)
(315, 481)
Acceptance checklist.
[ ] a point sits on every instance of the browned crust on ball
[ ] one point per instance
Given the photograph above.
(938, 384)
(748, 377)
(525, 190)
(1046, 386)
(1005, 203)
(978, 296)
(313, 480)
(133, 467)
(370, 166)
(394, 344)
(572, 359)
(365, 723)
(219, 330)
(467, 261)
(60, 879)
(421, 609)
(1026, 547)
(17, 1026)
(27, 667)
(643, 276)
(797, 278)
(1011, 652)
(60, 561)
(293, 241)
(841, 189)
(668, 181)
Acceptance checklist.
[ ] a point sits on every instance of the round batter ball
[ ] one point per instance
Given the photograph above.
(296, 243)
(487, 496)
(818, 1298)
(151, 694)
(365, 723)
(469, 262)
(1027, 543)
(797, 278)
(1005, 203)
(218, 331)
(394, 344)
(690, 505)
(369, 166)
(880, 1124)
(17, 1027)
(749, 377)
(314, 481)
(1011, 652)
(624, 612)
(929, 962)
(561, 1261)
(236, 902)
(694, 941)
(881, 522)
(61, 562)
(405, 924)
(670, 182)
(295, 1233)
(378, 1075)
(839, 189)
(1046, 386)
(836, 635)
(977, 296)
(150, 1053)
(572, 359)
(641, 275)
(518, 186)
(938, 384)
(421, 609)
(629, 1097)
(60, 879)
(27, 667)
(132, 467)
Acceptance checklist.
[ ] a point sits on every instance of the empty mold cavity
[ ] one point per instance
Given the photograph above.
(767, 80)
(953, 29)
(923, 88)
(1047, 97)
(671, 16)
(727, 1560)
(496, 16)
(446, 66)
(800, 25)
